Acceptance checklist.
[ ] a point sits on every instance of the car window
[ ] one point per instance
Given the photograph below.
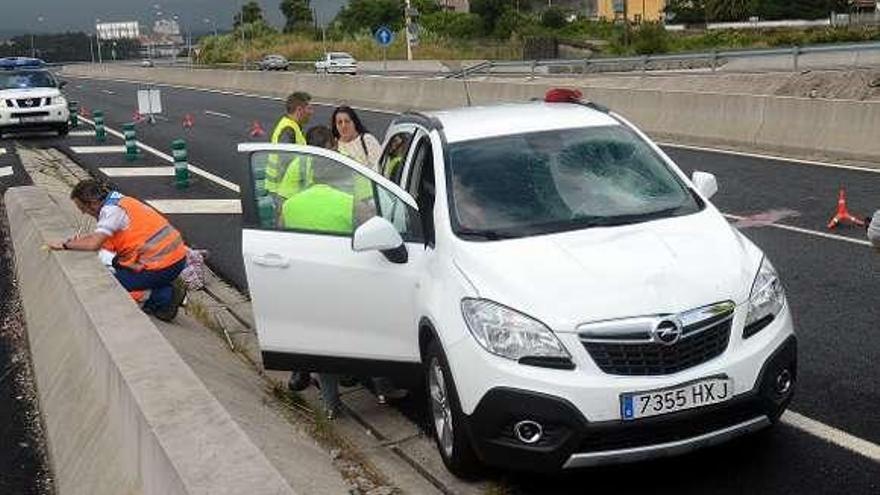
(318, 195)
(421, 184)
(552, 181)
(27, 79)
(392, 159)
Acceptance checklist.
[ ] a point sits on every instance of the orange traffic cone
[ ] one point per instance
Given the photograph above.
(257, 130)
(137, 117)
(188, 121)
(843, 215)
(84, 112)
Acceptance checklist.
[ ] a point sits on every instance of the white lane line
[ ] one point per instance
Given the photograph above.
(231, 93)
(218, 114)
(137, 171)
(832, 435)
(2, 151)
(799, 230)
(196, 170)
(107, 91)
(197, 206)
(97, 150)
(81, 133)
(5, 171)
(772, 157)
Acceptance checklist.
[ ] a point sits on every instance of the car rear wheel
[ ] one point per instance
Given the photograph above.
(446, 416)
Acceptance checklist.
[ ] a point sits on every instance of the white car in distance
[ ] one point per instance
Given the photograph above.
(568, 296)
(336, 63)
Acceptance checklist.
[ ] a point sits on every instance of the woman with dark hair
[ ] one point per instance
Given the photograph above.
(352, 138)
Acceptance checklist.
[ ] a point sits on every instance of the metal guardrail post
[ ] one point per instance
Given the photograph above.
(795, 51)
(534, 63)
(714, 59)
(644, 63)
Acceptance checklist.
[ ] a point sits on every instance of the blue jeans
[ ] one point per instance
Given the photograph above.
(329, 390)
(157, 281)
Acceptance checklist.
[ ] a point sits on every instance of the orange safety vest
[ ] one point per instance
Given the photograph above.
(149, 242)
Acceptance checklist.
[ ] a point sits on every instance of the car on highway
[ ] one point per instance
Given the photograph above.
(273, 62)
(146, 63)
(31, 97)
(568, 295)
(336, 63)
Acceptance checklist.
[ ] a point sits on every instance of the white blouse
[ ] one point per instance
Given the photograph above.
(355, 150)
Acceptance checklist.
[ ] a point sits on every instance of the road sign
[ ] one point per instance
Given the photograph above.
(384, 36)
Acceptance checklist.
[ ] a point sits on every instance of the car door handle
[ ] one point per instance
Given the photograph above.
(272, 260)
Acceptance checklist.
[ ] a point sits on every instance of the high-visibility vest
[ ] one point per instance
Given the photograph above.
(149, 242)
(281, 180)
(320, 208)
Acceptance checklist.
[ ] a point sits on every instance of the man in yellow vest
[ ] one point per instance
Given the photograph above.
(285, 180)
(150, 252)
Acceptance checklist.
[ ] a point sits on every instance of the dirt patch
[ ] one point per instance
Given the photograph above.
(24, 465)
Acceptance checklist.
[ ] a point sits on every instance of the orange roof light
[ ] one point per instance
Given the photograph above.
(563, 95)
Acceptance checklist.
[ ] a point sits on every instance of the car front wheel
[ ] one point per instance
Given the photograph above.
(446, 416)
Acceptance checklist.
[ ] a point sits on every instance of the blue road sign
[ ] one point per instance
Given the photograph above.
(384, 36)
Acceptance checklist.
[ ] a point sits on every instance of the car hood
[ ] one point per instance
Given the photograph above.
(30, 93)
(658, 267)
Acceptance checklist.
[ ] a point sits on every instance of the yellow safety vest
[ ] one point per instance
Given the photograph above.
(320, 208)
(286, 181)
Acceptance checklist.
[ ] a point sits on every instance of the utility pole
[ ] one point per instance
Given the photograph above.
(406, 16)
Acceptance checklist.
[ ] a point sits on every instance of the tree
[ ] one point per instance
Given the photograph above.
(360, 15)
(454, 24)
(298, 14)
(490, 11)
(553, 18)
(251, 12)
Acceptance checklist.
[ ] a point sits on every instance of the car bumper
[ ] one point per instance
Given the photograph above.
(43, 117)
(570, 440)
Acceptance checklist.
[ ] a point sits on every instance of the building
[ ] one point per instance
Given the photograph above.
(634, 10)
(455, 5)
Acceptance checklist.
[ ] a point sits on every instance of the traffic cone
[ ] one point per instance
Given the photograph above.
(188, 121)
(84, 112)
(137, 117)
(257, 130)
(843, 215)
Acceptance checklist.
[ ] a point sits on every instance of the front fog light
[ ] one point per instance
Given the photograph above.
(765, 301)
(513, 335)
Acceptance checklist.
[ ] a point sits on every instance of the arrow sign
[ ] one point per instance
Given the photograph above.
(384, 36)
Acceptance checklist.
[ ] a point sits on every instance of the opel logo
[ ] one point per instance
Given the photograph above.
(666, 331)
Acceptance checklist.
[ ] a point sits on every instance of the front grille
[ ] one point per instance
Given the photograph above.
(669, 428)
(29, 102)
(650, 358)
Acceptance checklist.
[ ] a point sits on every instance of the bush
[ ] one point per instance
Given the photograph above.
(454, 24)
(650, 38)
(553, 18)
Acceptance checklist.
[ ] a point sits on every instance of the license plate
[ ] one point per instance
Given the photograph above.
(30, 119)
(688, 396)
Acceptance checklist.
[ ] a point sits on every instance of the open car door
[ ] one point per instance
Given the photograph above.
(333, 253)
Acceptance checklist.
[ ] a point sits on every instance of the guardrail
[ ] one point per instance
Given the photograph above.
(713, 59)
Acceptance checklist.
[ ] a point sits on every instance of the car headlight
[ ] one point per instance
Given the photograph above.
(59, 100)
(765, 300)
(513, 335)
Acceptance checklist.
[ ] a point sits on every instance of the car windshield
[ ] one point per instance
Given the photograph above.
(339, 56)
(26, 79)
(554, 181)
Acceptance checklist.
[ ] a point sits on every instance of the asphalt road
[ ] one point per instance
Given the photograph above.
(832, 287)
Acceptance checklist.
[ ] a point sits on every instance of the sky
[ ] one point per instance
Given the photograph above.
(25, 16)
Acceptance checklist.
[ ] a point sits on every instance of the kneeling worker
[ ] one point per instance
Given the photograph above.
(150, 252)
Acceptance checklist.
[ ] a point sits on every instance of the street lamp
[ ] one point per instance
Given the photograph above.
(98, 40)
(33, 44)
(212, 23)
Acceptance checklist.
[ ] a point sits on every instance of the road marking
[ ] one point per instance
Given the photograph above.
(137, 171)
(832, 435)
(218, 114)
(772, 157)
(799, 230)
(107, 91)
(5, 171)
(81, 133)
(2, 151)
(97, 150)
(231, 93)
(197, 206)
(196, 170)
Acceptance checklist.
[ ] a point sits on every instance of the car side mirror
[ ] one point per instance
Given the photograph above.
(705, 183)
(61, 84)
(377, 234)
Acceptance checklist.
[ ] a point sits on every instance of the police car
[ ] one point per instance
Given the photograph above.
(30, 97)
(568, 295)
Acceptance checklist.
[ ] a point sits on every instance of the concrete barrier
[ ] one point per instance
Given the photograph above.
(799, 126)
(123, 412)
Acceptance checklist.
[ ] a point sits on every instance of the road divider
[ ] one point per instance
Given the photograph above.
(123, 411)
(789, 125)
(181, 165)
(100, 132)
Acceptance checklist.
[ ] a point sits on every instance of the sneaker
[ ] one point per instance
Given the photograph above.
(299, 381)
(331, 413)
(178, 295)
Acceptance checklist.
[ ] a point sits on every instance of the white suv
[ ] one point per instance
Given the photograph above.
(569, 297)
(30, 97)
